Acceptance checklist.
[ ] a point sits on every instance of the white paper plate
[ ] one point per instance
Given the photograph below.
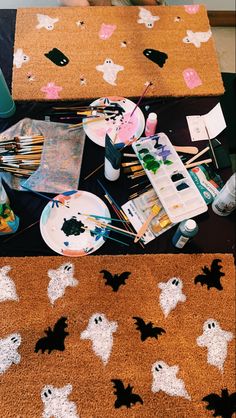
(126, 126)
(62, 227)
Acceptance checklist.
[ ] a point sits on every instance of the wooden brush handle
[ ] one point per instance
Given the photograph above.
(186, 150)
(144, 227)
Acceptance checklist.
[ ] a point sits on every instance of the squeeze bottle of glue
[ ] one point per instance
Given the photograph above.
(151, 124)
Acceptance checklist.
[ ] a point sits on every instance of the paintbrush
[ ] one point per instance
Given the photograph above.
(141, 97)
(113, 228)
(154, 212)
(113, 201)
(89, 120)
(101, 217)
(44, 196)
(130, 163)
(106, 236)
(135, 168)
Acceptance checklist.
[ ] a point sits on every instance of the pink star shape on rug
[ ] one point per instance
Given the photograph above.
(51, 90)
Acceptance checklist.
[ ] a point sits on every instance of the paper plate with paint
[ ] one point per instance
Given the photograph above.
(66, 231)
(119, 124)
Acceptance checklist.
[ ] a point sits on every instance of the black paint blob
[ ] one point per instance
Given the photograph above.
(72, 227)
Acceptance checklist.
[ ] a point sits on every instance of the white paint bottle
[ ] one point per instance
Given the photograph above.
(225, 201)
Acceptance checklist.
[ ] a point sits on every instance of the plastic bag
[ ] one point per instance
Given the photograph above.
(9, 222)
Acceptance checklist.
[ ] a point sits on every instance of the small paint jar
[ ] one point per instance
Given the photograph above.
(151, 124)
(187, 229)
(7, 105)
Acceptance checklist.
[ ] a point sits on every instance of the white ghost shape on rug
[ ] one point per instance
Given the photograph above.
(56, 403)
(7, 286)
(146, 17)
(164, 378)
(8, 351)
(216, 340)
(60, 279)
(20, 58)
(171, 294)
(45, 21)
(196, 38)
(99, 331)
(109, 70)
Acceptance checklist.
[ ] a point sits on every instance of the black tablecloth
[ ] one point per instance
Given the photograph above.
(216, 234)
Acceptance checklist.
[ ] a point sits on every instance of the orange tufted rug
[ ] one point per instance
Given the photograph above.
(117, 336)
(91, 52)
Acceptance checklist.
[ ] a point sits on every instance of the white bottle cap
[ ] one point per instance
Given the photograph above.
(152, 116)
(190, 225)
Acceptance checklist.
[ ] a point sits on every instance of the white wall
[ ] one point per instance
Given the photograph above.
(218, 4)
(210, 4)
(14, 4)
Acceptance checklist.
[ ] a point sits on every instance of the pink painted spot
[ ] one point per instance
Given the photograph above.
(51, 90)
(191, 78)
(191, 8)
(106, 31)
(128, 127)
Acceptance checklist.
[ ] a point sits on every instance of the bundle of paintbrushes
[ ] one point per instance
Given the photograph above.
(119, 213)
(85, 114)
(21, 155)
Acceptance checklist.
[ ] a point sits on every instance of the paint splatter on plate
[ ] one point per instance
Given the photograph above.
(69, 233)
(122, 126)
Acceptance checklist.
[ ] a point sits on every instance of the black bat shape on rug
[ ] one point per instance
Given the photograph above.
(54, 339)
(116, 280)
(224, 405)
(211, 278)
(147, 330)
(125, 397)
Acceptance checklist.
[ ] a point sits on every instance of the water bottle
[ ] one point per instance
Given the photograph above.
(151, 124)
(112, 160)
(7, 105)
(225, 201)
(187, 229)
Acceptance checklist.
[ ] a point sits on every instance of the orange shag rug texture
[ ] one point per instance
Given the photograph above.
(118, 336)
(91, 52)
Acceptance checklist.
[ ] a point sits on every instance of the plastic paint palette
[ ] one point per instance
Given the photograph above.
(170, 179)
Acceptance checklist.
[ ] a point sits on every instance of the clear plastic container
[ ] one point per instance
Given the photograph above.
(225, 201)
(9, 222)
